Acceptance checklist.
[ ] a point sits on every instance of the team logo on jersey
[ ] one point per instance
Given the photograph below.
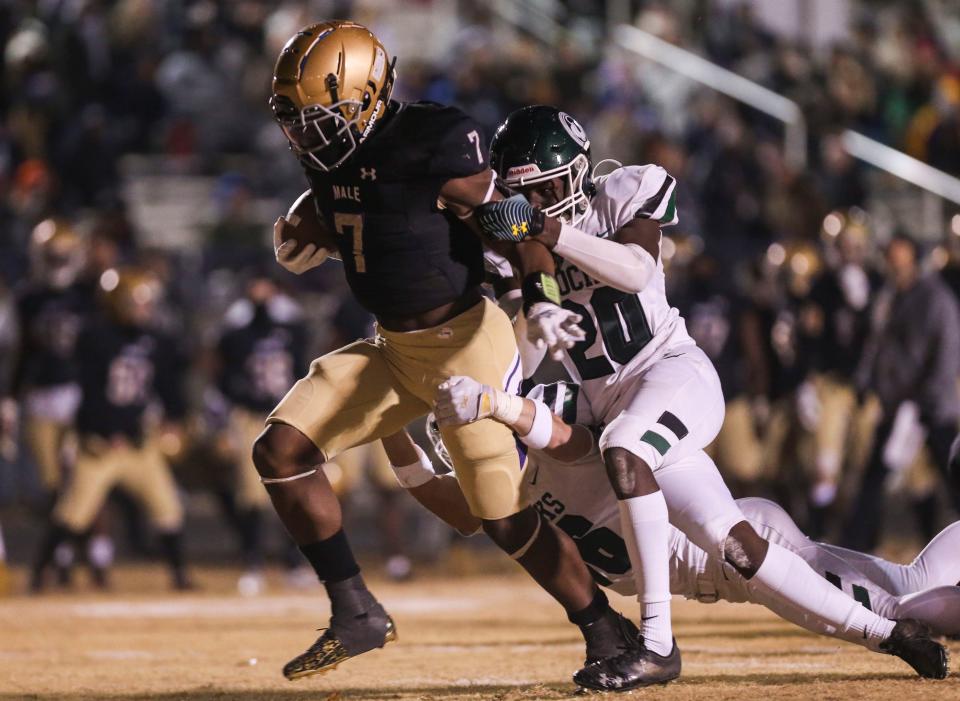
(573, 128)
(368, 173)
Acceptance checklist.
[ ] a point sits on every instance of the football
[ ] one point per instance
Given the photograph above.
(305, 226)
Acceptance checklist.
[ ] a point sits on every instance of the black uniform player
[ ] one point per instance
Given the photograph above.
(50, 311)
(258, 356)
(123, 366)
(394, 184)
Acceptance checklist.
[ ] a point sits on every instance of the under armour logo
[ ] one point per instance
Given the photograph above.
(517, 230)
(368, 173)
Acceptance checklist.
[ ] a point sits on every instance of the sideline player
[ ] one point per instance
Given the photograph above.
(124, 365)
(378, 172)
(656, 392)
(564, 479)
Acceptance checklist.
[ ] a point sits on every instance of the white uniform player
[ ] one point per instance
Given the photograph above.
(564, 479)
(577, 499)
(654, 392)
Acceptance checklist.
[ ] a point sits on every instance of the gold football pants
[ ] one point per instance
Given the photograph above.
(371, 389)
(140, 471)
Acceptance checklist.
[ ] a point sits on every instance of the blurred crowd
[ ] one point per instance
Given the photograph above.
(835, 329)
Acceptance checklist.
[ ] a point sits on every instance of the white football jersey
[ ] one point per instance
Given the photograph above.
(577, 498)
(625, 333)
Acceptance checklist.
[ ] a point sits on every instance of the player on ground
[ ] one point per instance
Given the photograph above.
(564, 480)
(124, 366)
(378, 172)
(655, 391)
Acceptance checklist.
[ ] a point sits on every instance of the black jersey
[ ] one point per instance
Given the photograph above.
(846, 319)
(261, 354)
(49, 321)
(714, 321)
(122, 370)
(402, 254)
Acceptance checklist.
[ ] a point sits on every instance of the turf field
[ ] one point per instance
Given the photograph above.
(467, 637)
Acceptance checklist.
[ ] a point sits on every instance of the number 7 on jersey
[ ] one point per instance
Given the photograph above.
(352, 225)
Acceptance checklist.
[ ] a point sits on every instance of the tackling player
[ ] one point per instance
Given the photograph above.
(655, 391)
(394, 185)
(564, 479)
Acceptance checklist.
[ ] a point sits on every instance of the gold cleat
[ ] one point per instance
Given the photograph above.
(326, 654)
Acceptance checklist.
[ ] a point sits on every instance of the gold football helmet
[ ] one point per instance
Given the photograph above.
(331, 84)
(130, 294)
(56, 253)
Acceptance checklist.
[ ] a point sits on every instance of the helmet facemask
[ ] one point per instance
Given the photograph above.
(573, 207)
(324, 136)
(320, 135)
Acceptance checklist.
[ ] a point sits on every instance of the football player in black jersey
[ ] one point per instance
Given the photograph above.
(260, 353)
(396, 185)
(123, 366)
(50, 310)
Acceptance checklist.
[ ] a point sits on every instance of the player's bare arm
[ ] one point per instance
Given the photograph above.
(462, 400)
(439, 494)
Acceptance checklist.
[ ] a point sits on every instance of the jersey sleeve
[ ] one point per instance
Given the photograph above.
(459, 148)
(647, 192)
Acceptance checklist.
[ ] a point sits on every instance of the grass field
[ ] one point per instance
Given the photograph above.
(472, 637)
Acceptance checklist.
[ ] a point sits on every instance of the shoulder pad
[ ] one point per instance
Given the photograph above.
(646, 191)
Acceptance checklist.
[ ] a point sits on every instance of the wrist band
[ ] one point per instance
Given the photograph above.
(542, 429)
(539, 287)
(415, 474)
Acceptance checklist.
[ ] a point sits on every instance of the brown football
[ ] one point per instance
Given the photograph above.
(305, 226)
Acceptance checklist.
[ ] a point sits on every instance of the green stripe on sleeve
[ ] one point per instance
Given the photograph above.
(671, 209)
(657, 441)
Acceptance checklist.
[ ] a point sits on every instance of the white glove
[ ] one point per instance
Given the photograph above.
(462, 400)
(296, 262)
(553, 326)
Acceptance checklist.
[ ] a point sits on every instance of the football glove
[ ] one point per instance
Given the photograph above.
(513, 219)
(553, 326)
(297, 262)
(463, 400)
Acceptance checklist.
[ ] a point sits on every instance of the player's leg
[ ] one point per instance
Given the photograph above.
(678, 400)
(250, 498)
(837, 405)
(480, 343)
(777, 575)
(938, 608)
(83, 496)
(146, 476)
(349, 397)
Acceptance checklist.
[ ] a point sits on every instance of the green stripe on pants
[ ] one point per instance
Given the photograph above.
(657, 441)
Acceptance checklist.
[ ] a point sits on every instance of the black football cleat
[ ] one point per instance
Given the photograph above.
(328, 652)
(911, 642)
(630, 670)
(619, 635)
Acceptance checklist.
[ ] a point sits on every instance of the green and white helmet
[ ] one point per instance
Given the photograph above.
(539, 143)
